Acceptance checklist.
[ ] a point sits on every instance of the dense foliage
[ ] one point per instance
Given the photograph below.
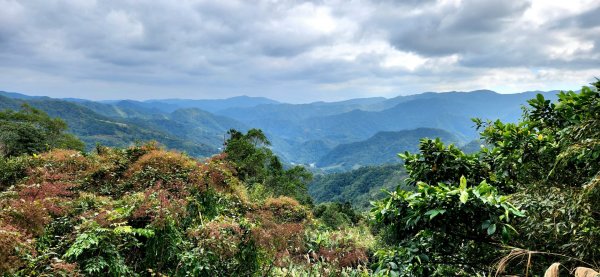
(359, 186)
(146, 211)
(262, 170)
(532, 192)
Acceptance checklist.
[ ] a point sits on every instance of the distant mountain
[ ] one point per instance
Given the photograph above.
(198, 126)
(121, 109)
(192, 125)
(448, 111)
(93, 128)
(210, 105)
(356, 120)
(15, 95)
(300, 152)
(304, 133)
(284, 119)
(473, 146)
(382, 148)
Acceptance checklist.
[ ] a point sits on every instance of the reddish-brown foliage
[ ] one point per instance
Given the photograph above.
(216, 173)
(29, 216)
(51, 195)
(344, 256)
(102, 217)
(221, 238)
(286, 209)
(46, 190)
(160, 205)
(170, 168)
(280, 229)
(163, 161)
(10, 238)
(64, 165)
(62, 268)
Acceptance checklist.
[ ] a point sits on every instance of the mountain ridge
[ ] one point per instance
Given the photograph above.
(381, 148)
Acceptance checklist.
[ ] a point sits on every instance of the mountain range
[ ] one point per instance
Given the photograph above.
(330, 135)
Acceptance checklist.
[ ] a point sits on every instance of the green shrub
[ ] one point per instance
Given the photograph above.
(13, 169)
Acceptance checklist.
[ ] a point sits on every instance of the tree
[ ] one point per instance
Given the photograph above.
(552, 159)
(534, 189)
(256, 164)
(32, 131)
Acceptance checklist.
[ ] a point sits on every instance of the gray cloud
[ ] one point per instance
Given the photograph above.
(293, 50)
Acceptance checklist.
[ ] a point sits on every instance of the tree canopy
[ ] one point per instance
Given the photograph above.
(30, 130)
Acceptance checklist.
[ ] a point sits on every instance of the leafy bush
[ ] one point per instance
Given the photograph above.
(101, 251)
(256, 164)
(158, 166)
(337, 215)
(11, 240)
(12, 170)
(454, 215)
(547, 165)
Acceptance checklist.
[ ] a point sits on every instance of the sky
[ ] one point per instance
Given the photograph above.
(294, 51)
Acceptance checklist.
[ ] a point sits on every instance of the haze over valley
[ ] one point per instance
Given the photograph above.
(325, 135)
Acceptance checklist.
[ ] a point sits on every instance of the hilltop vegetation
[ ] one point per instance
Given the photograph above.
(31, 131)
(143, 210)
(531, 197)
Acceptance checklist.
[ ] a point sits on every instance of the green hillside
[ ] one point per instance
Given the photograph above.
(93, 128)
(382, 148)
(300, 133)
(210, 105)
(359, 186)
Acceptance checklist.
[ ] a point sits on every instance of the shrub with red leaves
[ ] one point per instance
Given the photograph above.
(64, 165)
(10, 239)
(160, 205)
(280, 229)
(52, 196)
(169, 168)
(28, 216)
(286, 209)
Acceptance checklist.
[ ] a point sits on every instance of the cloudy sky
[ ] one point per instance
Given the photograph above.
(295, 51)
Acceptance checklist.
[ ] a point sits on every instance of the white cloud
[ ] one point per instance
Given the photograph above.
(294, 50)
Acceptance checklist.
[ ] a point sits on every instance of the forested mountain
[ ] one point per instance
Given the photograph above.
(359, 186)
(188, 124)
(336, 123)
(93, 128)
(15, 95)
(300, 133)
(447, 111)
(349, 121)
(122, 109)
(211, 105)
(382, 148)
